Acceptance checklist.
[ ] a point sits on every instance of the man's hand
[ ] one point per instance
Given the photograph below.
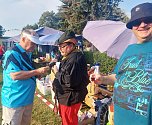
(28, 74)
(43, 70)
(54, 69)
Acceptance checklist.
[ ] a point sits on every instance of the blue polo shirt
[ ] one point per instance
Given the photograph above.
(17, 93)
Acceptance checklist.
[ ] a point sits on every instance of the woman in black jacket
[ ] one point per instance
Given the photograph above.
(71, 80)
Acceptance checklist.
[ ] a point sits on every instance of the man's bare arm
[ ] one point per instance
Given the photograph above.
(28, 74)
(107, 80)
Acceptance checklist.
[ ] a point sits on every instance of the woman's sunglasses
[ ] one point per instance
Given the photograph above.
(145, 20)
(62, 46)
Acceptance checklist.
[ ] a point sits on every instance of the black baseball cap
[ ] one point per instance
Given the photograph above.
(66, 36)
(138, 12)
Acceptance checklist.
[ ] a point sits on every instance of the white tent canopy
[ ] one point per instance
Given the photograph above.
(49, 39)
(48, 36)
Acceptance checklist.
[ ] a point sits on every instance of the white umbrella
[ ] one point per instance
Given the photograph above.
(109, 36)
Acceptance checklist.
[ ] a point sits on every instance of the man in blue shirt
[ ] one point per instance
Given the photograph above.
(19, 80)
(132, 76)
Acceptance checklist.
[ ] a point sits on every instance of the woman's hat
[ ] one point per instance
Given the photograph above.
(138, 12)
(68, 36)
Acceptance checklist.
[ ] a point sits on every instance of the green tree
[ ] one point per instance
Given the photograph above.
(2, 31)
(49, 19)
(35, 26)
(74, 14)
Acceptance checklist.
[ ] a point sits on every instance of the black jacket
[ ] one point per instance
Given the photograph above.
(70, 84)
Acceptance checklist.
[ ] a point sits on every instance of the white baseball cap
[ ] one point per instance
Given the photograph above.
(34, 39)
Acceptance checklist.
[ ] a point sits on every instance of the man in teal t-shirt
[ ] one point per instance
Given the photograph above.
(133, 87)
(132, 76)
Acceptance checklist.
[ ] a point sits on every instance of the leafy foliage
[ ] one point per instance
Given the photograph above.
(35, 26)
(2, 31)
(49, 19)
(74, 14)
(107, 63)
(89, 57)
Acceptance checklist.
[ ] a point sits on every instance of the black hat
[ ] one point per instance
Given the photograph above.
(140, 11)
(65, 36)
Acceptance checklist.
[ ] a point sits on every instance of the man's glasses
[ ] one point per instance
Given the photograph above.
(145, 20)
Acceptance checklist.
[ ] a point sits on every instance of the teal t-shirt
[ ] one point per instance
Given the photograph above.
(17, 93)
(133, 88)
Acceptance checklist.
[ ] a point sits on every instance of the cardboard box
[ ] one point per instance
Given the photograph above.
(43, 87)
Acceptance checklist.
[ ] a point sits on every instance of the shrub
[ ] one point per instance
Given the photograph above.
(89, 57)
(107, 64)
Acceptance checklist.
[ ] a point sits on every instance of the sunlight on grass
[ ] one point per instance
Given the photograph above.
(43, 115)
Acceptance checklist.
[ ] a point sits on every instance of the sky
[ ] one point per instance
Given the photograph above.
(16, 14)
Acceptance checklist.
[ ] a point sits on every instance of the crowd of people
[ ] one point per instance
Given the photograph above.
(131, 78)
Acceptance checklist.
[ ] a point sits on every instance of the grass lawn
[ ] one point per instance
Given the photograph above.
(42, 114)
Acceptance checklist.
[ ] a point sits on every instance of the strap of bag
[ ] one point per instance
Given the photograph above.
(56, 106)
(28, 64)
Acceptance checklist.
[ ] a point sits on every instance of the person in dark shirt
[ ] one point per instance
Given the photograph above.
(71, 80)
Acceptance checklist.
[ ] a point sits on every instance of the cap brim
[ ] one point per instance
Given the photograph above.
(71, 40)
(129, 25)
(34, 39)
